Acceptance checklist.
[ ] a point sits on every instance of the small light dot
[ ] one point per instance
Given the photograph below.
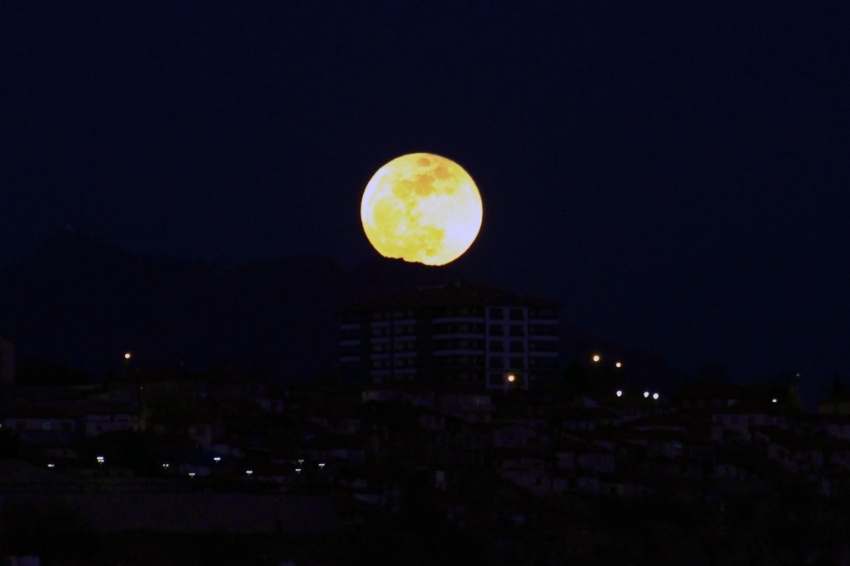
(619, 393)
(646, 393)
(655, 395)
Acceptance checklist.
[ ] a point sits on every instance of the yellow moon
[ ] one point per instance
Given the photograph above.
(421, 208)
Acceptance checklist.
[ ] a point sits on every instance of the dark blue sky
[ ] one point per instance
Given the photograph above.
(675, 173)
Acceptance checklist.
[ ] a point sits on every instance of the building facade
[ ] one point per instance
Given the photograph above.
(454, 334)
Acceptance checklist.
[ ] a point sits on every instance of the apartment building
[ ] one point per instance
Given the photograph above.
(455, 334)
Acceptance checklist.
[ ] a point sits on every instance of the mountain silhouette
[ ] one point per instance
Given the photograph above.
(82, 303)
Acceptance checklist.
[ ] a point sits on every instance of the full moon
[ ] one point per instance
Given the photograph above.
(421, 208)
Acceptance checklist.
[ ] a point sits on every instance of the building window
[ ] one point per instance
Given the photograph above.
(497, 330)
(497, 314)
(517, 314)
(543, 330)
(517, 330)
(46, 426)
(497, 346)
(543, 346)
(542, 313)
(497, 363)
(497, 379)
(544, 362)
(517, 347)
(517, 363)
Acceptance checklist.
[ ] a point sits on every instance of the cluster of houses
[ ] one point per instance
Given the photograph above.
(468, 417)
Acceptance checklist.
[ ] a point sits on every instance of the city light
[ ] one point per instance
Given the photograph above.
(301, 461)
(322, 465)
(165, 465)
(51, 465)
(655, 395)
(619, 393)
(297, 470)
(646, 393)
(127, 355)
(511, 378)
(191, 474)
(217, 458)
(101, 459)
(249, 472)
(619, 364)
(774, 400)
(596, 357)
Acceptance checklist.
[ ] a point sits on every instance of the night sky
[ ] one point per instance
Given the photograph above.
(676, 174)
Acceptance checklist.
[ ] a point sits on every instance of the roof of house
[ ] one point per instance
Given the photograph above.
(455, 294)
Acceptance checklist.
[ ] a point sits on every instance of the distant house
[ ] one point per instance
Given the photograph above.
(838, 405)
(7, 363)
(105, 417)
(471, 407)
(48, 425)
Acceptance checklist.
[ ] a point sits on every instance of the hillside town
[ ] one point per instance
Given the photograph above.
(452, 433)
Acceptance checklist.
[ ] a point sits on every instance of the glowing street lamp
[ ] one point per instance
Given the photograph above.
(511, 378)
(774, 400)
(321, 464)
(297, 470)
(596, 357)
(249, 472)
(646, 394)
(51, 465)
(217, 458)
(127, 355)
(655, 396)
(165, 466)
(101, 459)
(619, 393)
(191, 474)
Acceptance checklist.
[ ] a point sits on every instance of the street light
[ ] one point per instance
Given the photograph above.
(249, 472)
(217, 458)
(191, 474)
(618, 364)
(511, 378)
(655, 396)
(165, 465)
(51, 465)
(774, 400)
(101, 459)
(646, 394)
(619, 393)
(322, 465)
(127, 355)
(297, 470)
(596, 357)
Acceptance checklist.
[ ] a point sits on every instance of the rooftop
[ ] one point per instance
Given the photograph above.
(459, 293)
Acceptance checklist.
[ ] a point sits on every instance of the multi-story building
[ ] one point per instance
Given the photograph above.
(453, 334)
